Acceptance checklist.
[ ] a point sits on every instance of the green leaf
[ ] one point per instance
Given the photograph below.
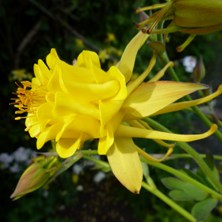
(214, 171)
(183, 191)
(202, 209)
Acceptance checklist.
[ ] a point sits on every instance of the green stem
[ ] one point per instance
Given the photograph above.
(174, 76)
(168, 201)
(104, 165)
(89, 152)
(199, 160)
(186, 155)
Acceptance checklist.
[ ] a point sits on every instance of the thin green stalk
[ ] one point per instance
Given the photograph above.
(199, 160)
(89, 152)
(186, 155)
(102, 164)
(168, 201)
(174, 76)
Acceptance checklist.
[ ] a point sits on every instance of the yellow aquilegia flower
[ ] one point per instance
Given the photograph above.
(71, 104)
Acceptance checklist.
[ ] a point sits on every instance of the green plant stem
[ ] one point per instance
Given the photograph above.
(102, 164)
(186, 155)
(168, 201)
(199, 160)
(89, 152)
(174, 76)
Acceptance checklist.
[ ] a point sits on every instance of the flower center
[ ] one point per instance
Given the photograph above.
(28, 99)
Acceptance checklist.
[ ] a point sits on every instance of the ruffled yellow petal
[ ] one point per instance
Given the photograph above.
(42, 73)
(32, 125)
(47, 134)
(52, 58)
(151, 97)
(106, 141)
(73, 127)
(88, 59)
(67, 147)
(186, 104)
(66, 104)
(125, 164)
(133, 132)
(114, 73)
(107, 133)
(127, 61)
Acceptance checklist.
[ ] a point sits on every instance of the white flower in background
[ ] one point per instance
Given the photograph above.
(5, 160)
(77, 169)
(99, 177)
(15, 161)
(23, 154)
(15, 168)
(189, 63)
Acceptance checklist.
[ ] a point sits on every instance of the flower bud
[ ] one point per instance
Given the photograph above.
(194, 17)
(189, 16)
(199, 71)
(197, 13)
(35, 176)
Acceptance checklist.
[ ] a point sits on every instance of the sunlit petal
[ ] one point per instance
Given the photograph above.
(88, 59)
(47, 135)
(125, 163)
(52, 59)
(128, 58)
(67, 147)
(153, 96)
(106, 141)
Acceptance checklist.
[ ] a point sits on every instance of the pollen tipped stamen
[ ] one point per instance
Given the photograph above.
(27, 100)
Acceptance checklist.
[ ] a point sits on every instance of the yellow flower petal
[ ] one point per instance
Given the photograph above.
(67, 147)
(52, 58)
(66, 104)
(133, 132)
(88, 59)
(127, 61)
(125, 164)
(150, 97)
(42, 73)
(47, 134)
(106, 141)
(32, 125)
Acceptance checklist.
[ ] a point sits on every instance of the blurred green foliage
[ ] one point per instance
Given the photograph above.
(29, 29)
